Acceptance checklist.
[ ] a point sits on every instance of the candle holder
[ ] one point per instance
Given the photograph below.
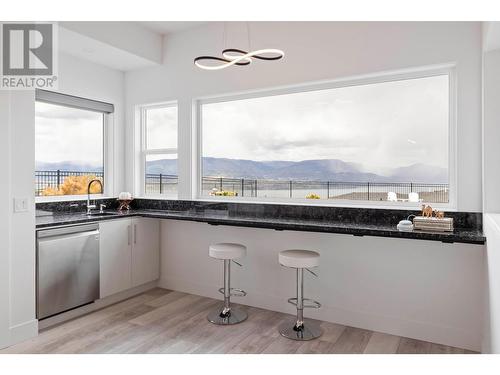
(124, 204)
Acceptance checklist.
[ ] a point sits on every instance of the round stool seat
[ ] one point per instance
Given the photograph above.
(299, 258)
(227, 250)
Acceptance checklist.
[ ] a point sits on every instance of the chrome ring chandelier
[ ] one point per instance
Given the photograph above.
(234, 56)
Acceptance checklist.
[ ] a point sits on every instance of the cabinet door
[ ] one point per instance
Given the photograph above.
(145, 250)
(115, 256)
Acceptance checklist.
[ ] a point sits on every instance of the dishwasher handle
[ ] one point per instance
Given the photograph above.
(72, 229)
(70, 235)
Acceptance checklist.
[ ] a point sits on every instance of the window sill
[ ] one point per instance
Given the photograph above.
(158, 196)
(331, 203)
(68, 198)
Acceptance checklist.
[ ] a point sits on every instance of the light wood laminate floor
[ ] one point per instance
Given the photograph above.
(163, 321)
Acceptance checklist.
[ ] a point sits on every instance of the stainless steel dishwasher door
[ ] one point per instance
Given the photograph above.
(67, 268)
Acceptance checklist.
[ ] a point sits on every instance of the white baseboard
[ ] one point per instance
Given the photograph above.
(23, 331)
(387, 324)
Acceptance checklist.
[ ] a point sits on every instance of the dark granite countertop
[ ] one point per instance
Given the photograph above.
(232, 218)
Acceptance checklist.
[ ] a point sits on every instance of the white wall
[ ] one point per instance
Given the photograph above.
(318, 51)
(5, 218)
(491, 35)
(491, 321)
(491, 188)
(17, 254)
(22, 261)
(420, 289)
(491, 131)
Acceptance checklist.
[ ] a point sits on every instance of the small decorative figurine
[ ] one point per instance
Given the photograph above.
(426, 211)
(439, 214)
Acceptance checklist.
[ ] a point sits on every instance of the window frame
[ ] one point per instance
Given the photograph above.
(448, 69)
(144, 152)
(107, 110)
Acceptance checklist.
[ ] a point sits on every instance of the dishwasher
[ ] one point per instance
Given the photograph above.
(67, 268)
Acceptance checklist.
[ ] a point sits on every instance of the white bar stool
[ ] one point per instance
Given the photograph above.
(298, 329)
(226, 315)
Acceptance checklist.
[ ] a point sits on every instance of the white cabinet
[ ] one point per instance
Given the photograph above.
(129, 254)
(145, 250)
(115, 257)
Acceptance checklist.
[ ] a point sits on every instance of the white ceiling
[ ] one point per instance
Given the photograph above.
(170, 27)
(99, 52)
(119, 45)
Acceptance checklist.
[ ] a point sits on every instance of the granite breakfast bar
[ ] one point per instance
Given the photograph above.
(349, 221)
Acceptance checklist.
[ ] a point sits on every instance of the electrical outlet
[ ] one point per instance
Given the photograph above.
(21, 204)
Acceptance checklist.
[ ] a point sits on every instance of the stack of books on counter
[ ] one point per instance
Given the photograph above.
(433, 224)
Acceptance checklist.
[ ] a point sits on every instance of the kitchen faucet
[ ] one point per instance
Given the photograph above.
(91, 206)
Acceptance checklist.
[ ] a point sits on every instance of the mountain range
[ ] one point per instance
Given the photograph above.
(67, 166)
(323, 170)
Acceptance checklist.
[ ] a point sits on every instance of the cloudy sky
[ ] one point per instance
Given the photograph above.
(68, 134)
(380, 126)
(161, 126)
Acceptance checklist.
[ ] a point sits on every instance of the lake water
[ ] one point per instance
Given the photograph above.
(377, 193)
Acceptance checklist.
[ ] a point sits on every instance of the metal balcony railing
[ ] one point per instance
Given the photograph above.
(54, 179)
(367, 191)
(267, 188)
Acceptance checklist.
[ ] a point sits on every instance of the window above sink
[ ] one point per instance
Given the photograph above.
(70, 145)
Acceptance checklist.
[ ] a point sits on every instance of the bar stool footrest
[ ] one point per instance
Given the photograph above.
(234, 292)
(308, 303)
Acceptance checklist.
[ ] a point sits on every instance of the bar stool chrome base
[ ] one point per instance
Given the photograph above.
(300, 329)
(234, 316)
(225, 314)
(307, 331)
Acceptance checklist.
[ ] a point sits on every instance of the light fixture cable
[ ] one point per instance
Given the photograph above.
(248, 36)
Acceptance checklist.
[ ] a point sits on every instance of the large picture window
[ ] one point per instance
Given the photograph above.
(69, 144)
(385, 140)
(159, 149)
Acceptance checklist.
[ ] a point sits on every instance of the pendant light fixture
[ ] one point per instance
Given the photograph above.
(234, 56)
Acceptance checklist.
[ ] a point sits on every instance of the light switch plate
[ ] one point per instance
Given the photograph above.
(21, 204)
